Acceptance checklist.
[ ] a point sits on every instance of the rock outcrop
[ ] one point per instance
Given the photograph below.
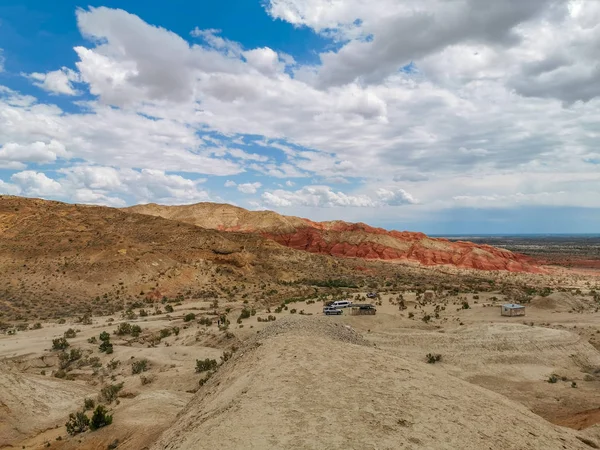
(338, 238)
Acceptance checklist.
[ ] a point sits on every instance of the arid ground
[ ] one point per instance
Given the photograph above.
(219, 345)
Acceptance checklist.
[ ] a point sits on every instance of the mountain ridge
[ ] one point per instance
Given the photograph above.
(344, 239)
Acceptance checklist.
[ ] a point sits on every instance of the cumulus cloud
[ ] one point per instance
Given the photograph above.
(460, 103)
(249, 188)
(36, 152)
(57, 81)
(325, 197)
(395, 197)
(36, 184)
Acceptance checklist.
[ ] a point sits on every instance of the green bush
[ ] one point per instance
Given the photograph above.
(204, 365)
(106, 347)
(88, 403)
(189, 317)
(92, 340)
(109, 393)
(205, 321)
(78, 423)
(169, 308)
(245, 313)
(432, 359)
(70, 333)
(66, 358)
(465, 305)
(100, 418)
(59, 344)
(104, 336)
(165, 332)
(139, 366)
(37, 326)
(553, 378)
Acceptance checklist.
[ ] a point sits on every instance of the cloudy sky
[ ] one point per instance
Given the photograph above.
(462, 116)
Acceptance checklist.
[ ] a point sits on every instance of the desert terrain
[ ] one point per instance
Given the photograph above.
(205, 337)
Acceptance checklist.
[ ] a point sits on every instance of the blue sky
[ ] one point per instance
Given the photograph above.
(408, 115)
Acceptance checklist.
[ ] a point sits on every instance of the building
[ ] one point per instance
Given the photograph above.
(511, 309)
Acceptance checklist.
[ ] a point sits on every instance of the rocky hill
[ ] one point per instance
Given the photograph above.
(74, 258)
(338, 238)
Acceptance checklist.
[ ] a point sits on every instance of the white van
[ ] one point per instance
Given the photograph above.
(341, 304)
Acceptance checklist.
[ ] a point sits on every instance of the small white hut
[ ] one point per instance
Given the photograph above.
(512, 309)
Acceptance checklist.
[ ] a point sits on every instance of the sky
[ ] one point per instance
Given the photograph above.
(447, 117)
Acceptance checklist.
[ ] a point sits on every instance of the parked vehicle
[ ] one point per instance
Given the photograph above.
(341, 304)
(330, 311)
(371, 295)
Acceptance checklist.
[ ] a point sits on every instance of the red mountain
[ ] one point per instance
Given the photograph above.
(338, 238)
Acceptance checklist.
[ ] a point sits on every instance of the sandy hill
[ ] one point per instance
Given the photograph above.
(340, 238)
(315, 384)
(55, 254)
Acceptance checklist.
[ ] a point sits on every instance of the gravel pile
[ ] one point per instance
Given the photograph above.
(313, 326)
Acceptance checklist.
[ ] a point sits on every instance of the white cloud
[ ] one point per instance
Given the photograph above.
(395, 197)
(315, 196)
(37, 152)
(249, 188)
(57, 81)
(265, 60)
(241, 154)
(36, 184)
(230, 183)
(500, 108)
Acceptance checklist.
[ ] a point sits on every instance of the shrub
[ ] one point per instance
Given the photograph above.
(176, 331)
(85, 320)
(143, 313)
(189, 317)
(100, 418)
(104, 336)
(293, 311)
(245, 313)
(426, 318)
(66, 358)
(165, 332)
(573, 384)
(205, 321)
(92, 340)
(169, 308)
(204, 365)
(552, 379)
(37, 326)
(88, 403)
(411, 315)
(432, 359)
(78, 423)
(465, 305)
(123, 329)
(106, 347)
(109, 393)
(113, 364)
(139, 366)
(70, 333)
(59, 344)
